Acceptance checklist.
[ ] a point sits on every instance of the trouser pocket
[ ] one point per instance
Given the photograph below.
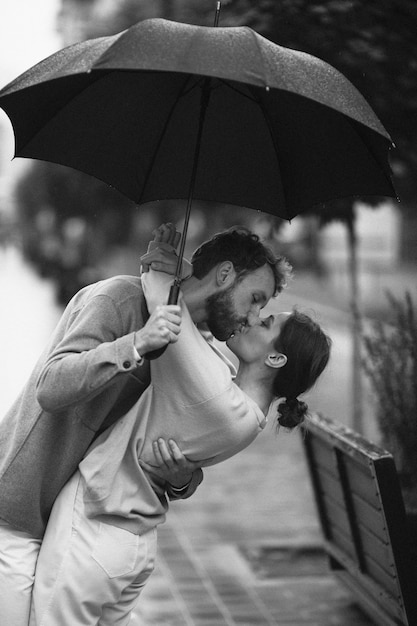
(117, 550)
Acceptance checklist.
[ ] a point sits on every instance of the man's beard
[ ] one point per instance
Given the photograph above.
(222, 319)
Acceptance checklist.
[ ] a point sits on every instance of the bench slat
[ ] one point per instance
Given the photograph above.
(377, 557)
(325, 461)
(363, 519)
(370, 517)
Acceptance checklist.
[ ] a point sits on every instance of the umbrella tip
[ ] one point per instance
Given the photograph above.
(217, 14)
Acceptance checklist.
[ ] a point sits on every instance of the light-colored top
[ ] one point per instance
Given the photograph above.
(193, 399)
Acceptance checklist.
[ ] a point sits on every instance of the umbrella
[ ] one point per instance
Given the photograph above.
(166, 110)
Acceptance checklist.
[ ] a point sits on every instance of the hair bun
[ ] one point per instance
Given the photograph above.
(292, 413)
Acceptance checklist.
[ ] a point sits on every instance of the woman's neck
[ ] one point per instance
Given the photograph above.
(256, 382)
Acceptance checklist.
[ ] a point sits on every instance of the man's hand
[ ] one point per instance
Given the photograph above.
(162, 327)
(170, 464)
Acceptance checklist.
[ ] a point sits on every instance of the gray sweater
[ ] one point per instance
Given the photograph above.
(84, 381)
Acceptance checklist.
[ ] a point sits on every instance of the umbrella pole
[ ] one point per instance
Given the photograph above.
(205, 96)
(175, 287)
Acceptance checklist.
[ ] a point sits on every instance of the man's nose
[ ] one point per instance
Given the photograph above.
(253, 317)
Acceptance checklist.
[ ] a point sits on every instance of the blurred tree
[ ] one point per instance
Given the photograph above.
(69, 221)
(390, 363)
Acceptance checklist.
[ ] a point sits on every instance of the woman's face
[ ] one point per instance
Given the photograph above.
(257, 341)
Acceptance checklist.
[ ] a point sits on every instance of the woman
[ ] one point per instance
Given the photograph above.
(99, 547)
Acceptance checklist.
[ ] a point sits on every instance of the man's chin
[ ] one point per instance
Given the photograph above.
(221, 333)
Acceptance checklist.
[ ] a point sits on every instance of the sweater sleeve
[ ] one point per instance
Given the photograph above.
(91, 354)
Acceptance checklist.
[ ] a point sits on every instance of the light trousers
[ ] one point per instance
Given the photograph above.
(18, 554)
(88, 573)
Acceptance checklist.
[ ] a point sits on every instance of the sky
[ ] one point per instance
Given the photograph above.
(27, 35)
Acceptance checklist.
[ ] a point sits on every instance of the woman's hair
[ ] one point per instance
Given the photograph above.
(307, 349)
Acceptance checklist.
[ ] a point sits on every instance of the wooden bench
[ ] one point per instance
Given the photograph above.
(363, 520)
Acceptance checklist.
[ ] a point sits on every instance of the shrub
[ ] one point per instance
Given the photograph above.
(390, 362)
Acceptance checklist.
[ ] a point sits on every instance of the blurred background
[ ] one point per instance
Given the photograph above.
(60, 229)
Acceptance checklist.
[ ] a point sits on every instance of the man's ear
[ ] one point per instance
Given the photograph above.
(276, 360)
(225, 274)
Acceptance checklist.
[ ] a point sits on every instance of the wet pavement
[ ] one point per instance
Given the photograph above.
(245, 550)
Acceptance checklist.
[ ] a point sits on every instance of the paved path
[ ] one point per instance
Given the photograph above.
(213, 564)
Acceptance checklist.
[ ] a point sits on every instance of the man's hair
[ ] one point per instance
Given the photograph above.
(247, 253)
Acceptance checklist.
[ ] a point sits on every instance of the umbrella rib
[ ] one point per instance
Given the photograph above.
(257, 100)
(183, 91)
(239, 91)
(355, 124)
(274, 143)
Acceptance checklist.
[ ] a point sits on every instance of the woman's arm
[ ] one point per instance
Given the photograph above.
(190, 366)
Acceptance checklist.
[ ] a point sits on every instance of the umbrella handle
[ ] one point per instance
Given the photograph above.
(172, 299)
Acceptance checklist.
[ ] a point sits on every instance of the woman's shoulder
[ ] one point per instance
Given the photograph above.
(156, 287)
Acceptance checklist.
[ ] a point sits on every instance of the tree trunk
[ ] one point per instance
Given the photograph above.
(357, 387)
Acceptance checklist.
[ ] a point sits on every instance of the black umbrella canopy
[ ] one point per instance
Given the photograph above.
(277, 129)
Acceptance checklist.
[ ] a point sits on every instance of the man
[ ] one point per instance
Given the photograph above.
(93, 371)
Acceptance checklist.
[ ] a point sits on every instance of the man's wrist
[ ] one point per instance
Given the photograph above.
(176, 489)
(139, 346)
(187, 490)
(138, 358)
